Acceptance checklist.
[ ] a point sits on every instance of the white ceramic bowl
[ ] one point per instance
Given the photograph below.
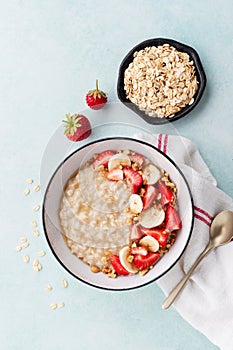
(50, 214)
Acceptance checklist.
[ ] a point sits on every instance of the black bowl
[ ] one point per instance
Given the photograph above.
(201, 78)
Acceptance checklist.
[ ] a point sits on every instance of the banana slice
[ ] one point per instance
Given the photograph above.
(135, 203)
(151, 217)
(123, 255)
(117, 160)
(151, 174)
(150, 242)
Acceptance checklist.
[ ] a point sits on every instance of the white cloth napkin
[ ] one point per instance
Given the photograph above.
(206, 302)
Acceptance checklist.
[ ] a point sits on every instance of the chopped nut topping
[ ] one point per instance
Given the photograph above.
(104, 260)
(129, 221)
(95, 269)
(112, 275)
(142, 191)
(130, 258)
(159, 196)
(164, 250)
(135, 166)
(107, 253)
(143, 272)
(106, 270)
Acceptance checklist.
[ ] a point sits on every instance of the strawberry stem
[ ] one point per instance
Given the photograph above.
(96, 84)
(72, 123)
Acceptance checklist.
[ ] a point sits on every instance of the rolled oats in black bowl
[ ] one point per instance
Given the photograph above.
(161, 80)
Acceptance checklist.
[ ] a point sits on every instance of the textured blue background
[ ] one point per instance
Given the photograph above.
(51, 54)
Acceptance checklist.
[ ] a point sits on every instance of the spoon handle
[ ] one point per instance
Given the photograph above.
(176, 291)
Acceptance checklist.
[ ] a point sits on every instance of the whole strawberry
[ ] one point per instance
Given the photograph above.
(77, 127)
(96, 99)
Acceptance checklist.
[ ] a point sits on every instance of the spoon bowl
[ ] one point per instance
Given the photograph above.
(221, 232)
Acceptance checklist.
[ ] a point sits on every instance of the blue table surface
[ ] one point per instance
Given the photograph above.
(51, 54)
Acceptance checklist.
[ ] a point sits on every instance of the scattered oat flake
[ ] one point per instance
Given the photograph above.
(34, 223)
(41, 253)
(53, 306)
(35, 262)
(48, 287)
(25, 245)
(18, 248)
(23, 239)
(36, 188)
(64, 283)
(26, 259)
(36, 233)
(37, 266)
(37, 207)
(60, 304)
(29, 181)
(26, 192)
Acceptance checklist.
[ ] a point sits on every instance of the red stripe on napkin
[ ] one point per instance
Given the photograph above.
(165, 143)
(202, 215)
(203, 212)
(199, 217)
(160, 141)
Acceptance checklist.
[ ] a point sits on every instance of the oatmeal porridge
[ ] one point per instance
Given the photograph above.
(118, 213)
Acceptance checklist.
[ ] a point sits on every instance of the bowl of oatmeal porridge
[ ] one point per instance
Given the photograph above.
(161, 80)
(117, 213)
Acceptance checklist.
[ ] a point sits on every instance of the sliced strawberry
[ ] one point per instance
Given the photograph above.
(158, 233)
(103, 158)
(116, 264)
(139, 250)
(172, 219)
(167, 195)
(135, 232)
(142, 262)
(133, 178)
(137, 158)
(149, 196)
(115, 175)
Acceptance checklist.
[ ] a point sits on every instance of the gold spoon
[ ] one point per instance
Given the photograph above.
(221, 232)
